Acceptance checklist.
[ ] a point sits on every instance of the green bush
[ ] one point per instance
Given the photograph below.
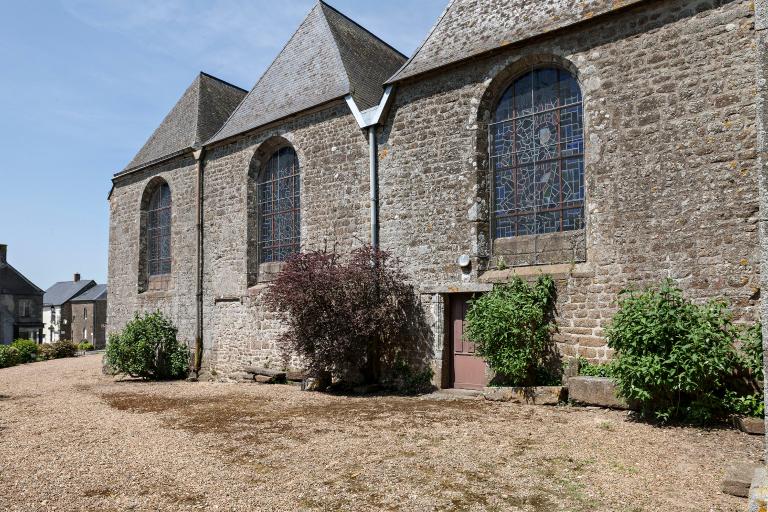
(674, 358)
(751, 351)
(147, 348)
(27, 350)
(9, 356)
(61, 349)
(587, 369)
(512, 328)
(745, 405)
(85, 346)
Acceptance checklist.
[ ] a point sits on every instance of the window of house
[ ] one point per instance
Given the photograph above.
(53, 315)
(279, 207)
(25, 308)
(85, 313)
(159, 231)
(537, 155)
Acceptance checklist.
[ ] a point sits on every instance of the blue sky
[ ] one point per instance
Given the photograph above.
(85, 82)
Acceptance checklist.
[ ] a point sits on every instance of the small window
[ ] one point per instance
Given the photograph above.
(85, 313)
(25, 308)
(159, 231)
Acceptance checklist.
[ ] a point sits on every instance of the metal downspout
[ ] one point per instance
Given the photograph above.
(198, 362)
(374, 185)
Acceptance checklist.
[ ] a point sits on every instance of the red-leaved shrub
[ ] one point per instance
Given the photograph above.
(356, 317)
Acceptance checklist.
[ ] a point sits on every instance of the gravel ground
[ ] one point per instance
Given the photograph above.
(73, 439)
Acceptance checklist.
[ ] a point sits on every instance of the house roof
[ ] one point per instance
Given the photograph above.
(200, 112)
(64, 291)
(13, 282)
(328, 57)
(468, 28)
(98, 292)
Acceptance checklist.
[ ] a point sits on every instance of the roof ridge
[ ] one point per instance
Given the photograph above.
(336, 43)
(230, 84)
(424, 42)
(266, 71)
(326, 4)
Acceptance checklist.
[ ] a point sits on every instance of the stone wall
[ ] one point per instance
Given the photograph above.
(670, 174)
(92, 317)
(239, 330)
(177, 300)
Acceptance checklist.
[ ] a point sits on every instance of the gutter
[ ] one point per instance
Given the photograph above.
(369, 120)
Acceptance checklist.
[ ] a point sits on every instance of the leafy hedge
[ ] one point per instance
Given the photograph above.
(85, 346)
(147, 348)
(9, 356)
(27, 350)
(512, 328)
(678, 359)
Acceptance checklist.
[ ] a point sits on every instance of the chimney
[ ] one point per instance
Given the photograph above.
(77, 278)
(3, 252)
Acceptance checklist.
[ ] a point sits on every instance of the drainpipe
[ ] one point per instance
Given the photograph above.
(374, 185)
(369, 120)
(198, 361)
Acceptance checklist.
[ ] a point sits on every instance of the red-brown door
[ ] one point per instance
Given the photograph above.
(468, 369)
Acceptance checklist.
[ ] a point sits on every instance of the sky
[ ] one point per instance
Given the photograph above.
(84, 83)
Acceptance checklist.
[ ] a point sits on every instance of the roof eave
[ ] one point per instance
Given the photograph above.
(156, 161)
(320, 106)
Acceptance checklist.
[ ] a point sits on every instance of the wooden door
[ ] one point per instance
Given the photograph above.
(468, 370)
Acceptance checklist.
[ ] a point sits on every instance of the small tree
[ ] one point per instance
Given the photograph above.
(356, 318)
(147, 348)
(512, 328)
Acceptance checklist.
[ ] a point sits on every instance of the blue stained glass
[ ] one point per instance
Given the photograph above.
(279, 203)
(537, 155)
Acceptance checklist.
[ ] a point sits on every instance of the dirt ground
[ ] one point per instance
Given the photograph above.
(73, 439)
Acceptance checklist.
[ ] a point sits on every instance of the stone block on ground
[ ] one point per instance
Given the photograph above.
(295, 376)
(276, 374)
(536, 395)
(738, 479)
(599, 391)
(754, 426)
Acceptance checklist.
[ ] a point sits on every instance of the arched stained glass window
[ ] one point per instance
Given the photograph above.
(279, 207)
(537, 155)
(159, 231)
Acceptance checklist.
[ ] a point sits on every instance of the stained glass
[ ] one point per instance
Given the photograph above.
(279, 207)
(159, 231)
(537, 155)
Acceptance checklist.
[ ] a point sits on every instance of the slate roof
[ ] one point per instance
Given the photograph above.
(13, 282)
(468, 28)
(64, 291)
(200, 112)
(98, 292)
(328, 57)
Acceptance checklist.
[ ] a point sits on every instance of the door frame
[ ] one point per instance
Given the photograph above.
(449, 350)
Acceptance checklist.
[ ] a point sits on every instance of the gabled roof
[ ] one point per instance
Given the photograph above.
(13, 282)
(200, 112)
(327, 58)
(98, 292)
(468, 28)
(64, 291)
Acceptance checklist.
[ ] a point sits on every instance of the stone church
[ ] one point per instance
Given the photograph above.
(608, 143)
